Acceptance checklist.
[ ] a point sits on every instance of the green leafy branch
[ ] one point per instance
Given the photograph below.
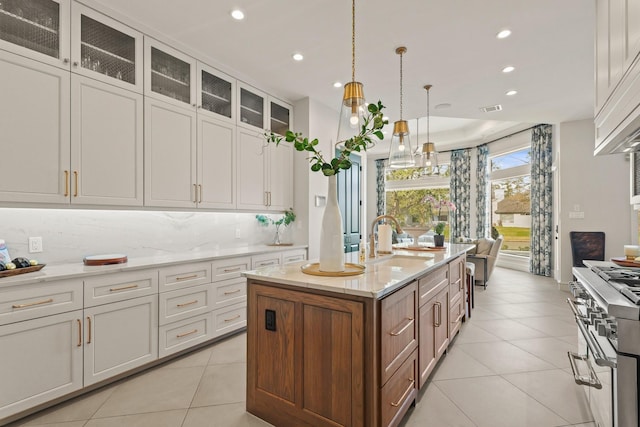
(372, 125)
(287, 219)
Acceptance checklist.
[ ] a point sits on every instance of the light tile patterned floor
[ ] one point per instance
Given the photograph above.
(507, 367)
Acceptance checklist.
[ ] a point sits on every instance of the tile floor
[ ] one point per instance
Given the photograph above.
(507, 367)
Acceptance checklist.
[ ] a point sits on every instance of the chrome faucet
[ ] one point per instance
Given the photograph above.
(372, 244)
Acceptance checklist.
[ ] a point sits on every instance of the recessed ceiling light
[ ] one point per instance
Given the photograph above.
(503, 34)
(237, 14)
(508, 69)
(442, 106)
(512, 92)
(337, 84)
(298, 56)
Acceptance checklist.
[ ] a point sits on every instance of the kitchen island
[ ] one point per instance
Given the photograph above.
(354, 350)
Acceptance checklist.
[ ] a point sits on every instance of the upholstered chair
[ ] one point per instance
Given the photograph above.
(485, 257)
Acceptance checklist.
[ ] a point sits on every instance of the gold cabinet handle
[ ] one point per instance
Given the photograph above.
(230, 270)
(89, 330)
(233, 318)
(193, 276)
(404, 395)
(195, 193)
(123, 288)
(404, 328)
(31, 304)
(437, 322)
(232, 292)
(200, 188)
(186, 333)
(75, 175)
(184, 304)
(79, 332)
(66, 183)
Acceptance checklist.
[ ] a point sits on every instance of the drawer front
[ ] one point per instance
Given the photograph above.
(399, 392)
(184, 303)
(184, 334)
(230, 268)
(39, 299)
(294, 255)
(432, 283)
(119, 287)
(399, 331)
(229, 292)
(229, 319)
(184, 275)
(265, 260)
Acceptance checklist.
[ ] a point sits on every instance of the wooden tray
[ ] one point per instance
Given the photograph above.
(280, 244)
(349, 270)
(105, 259)
(420, 248)
(624, 262)
(23, 270)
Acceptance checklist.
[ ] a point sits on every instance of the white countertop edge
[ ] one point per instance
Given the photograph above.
(53, 272)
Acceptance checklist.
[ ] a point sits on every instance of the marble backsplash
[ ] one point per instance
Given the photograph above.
(70, 234)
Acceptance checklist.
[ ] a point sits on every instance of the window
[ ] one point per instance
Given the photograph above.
(511, 200)
(406, 190)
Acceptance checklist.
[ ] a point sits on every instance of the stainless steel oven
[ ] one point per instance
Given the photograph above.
(606, 363)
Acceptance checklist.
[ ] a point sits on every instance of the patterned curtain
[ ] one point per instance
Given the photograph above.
(381, 196)
(483, 214)
(541, 201)
(460, 190)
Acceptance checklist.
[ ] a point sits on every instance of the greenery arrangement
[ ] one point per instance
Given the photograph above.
(372, 125)
(287, 219)
(439, 228)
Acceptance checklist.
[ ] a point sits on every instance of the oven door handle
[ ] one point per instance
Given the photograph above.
(598, 355)
(576, 313)
(591, 380)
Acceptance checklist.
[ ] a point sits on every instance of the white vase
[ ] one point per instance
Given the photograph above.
(331, 234)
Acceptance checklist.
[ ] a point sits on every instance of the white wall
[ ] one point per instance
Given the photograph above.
(597, 186)
(70, 234)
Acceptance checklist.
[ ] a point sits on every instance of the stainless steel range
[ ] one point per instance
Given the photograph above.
(606, 306)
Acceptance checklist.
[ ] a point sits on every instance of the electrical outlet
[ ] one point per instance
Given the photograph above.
(35, 245)
(237, 233)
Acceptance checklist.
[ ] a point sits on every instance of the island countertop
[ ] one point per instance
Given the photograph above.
(382, 275)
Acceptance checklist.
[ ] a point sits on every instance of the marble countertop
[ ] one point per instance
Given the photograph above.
(53, 272)
(382, 275)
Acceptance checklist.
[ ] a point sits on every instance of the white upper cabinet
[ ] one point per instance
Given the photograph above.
(216, 163)
(252, 108)
(105, 49)
(280, 116)
(170, 75)
(216, 94)
(37, 29)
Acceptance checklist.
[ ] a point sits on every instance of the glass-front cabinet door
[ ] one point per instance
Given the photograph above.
(216, 93)
(38, 29)
(252, 107)
(171, 75)
(280, 116)
(105, 49)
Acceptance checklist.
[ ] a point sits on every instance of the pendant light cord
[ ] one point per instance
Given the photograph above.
(401, 85)
(353, 40)
(427, 87)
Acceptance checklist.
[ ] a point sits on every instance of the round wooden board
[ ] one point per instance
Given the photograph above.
(349, 270)
(105, 259)
(624, 262)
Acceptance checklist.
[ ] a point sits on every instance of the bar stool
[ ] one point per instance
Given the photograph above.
(471, 279)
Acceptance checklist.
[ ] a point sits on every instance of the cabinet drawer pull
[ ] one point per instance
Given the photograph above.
(230, 270)
(75, 175)
(89, 330)
(123, 288)
(184, 304)
(66, 183)
(404, 395)
(404, 328)
(31, 304)
(193, 276)
(195, 193)
(200, 188)
(79, 332)
(186, 333)
(232, 292)
(265, 263)
(233, 318)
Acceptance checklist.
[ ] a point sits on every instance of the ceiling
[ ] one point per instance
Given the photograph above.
(451, 44)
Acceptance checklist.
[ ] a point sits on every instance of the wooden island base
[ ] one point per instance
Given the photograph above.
(321, 358)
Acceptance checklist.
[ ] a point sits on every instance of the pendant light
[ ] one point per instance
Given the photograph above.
(353, 107)
(400, 152)
(429, 155)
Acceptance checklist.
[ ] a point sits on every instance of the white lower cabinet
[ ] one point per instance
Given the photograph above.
(229, 319)
(40, 360)
(186, 333)
(119, 336)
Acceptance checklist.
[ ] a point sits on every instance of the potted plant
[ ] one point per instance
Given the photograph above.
(438, 239)
(287, 219)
